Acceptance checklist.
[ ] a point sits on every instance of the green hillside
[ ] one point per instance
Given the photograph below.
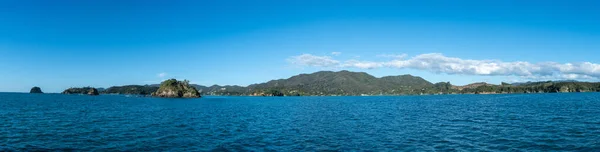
(346, 83)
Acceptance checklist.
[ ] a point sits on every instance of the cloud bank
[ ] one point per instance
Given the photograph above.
(438, 63)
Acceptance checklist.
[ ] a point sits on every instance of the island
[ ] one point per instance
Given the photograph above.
(84, 90)
(142, 90)
(176, 89)
(36, 90)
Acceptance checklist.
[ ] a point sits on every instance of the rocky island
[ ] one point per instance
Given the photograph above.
(36, 90)
(84, 90)
(176, 89)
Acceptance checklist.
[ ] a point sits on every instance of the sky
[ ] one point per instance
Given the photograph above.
(60, 44)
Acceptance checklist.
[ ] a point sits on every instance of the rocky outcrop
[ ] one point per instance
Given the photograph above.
(36, 90)
(176, 89)
(93, 92)
(84, 90)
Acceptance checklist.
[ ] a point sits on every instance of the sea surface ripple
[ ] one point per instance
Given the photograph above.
(515, 122)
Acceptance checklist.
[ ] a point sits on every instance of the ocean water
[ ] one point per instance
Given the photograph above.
(516, 122)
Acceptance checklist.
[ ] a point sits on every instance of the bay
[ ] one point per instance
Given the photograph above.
(511, 122)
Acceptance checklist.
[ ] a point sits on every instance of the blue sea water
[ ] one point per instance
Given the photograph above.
(516, 122)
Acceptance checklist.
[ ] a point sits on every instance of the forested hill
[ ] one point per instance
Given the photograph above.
(342, 83)
(328, 83)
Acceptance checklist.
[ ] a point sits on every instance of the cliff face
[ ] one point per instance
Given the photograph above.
(36, 90)
(176, 89)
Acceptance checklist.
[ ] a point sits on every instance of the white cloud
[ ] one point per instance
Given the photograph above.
(161, 75)
(438, 63)
(361, 64)
(336, 53)
(311, 60)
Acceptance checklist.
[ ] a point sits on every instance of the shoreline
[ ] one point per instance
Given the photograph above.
(136, 95)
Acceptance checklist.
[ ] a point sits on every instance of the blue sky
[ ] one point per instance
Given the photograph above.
(60, 44)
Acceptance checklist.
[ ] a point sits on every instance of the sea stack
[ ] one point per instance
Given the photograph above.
(176, 89)
(36, 90)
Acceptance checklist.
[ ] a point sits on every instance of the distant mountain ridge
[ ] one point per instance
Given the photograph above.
(347, 83)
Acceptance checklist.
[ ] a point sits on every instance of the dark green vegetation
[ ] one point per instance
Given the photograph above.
(227, 90)
(36, 90)
(327, 83)
(535, 87)
(176, 89)
(132, 89)
(93, 92)
(341, 83)
(84, 90)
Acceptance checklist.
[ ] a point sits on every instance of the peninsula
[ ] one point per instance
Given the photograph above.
(84, 90)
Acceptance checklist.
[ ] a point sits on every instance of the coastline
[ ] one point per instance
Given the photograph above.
(384, 95)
